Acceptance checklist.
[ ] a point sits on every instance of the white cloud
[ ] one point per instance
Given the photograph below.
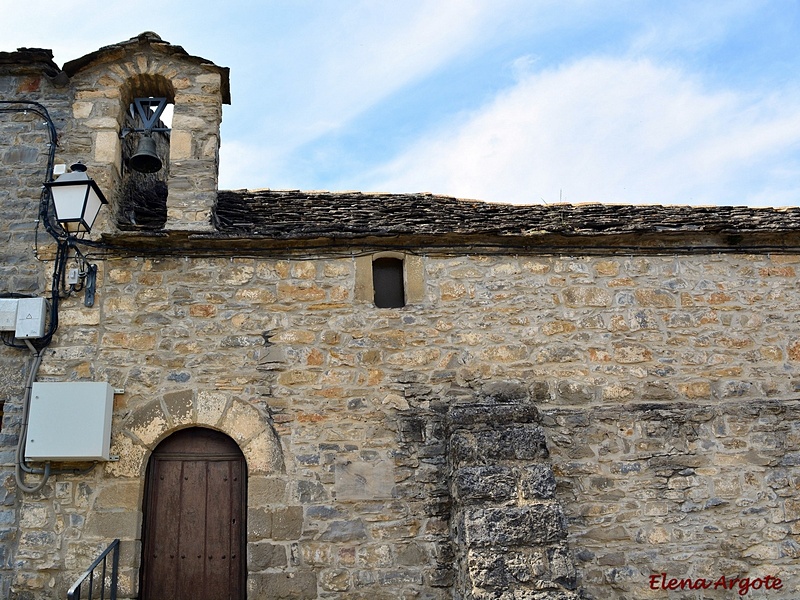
(604, 130)
(333, 66)
(691, 26)
(346, 58)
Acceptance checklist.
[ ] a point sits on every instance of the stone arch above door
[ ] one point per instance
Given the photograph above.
(141, 431)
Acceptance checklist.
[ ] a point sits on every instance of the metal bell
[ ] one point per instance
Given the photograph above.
(146, 159)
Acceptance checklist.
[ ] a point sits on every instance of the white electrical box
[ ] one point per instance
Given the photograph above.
(69, 421)
(8, 314)
(30, 318)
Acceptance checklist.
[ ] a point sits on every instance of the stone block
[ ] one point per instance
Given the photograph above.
(558, 327)
(148, 423)
(259, 524)
(180, 406)
(30, 516)
(535, 524)
(629, 353)
(375, 556)
(82, 110)
(243, 421)
(8, 517)
(513, 442)
(119, 493)
(577, 297)
(264, 490)
(344, 531)
(657, 390)
(411, 429)
(362, 480)
(695, 389)
(537, 482)
(77, 317)
(335, 580)
(411, 555)
(287, 523)
(111, 525)
(180, 147)
(263, 453)
(487, 570)
(132, 456)
(574, 392)
(387, 578)
(791, 509)
(291, 585)
(505, 392)
(210, 407)
(656, 298)
(130, 340)
(479, 415)
(301, 292)
(309, 492)
(495, 484)
(264, 555)
(106, 147)
(562, 565)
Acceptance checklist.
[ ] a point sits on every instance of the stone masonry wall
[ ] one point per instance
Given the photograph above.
(692, 491)
(666, 387)
(23, 156)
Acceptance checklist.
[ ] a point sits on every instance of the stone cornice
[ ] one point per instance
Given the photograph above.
(27, 61)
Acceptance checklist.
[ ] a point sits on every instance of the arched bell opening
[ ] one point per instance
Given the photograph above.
(148, 101)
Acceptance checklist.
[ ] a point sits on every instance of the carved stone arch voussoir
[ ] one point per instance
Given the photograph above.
(145, 85)
(155, 420)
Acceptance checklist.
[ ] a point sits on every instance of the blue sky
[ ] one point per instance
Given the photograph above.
(524, 101)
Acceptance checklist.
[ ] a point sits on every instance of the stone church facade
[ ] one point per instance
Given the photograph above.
(565, 402)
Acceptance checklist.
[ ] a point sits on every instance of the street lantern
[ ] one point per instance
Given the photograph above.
(77, 199)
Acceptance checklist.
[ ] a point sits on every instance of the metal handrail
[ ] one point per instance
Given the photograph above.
(74, 592)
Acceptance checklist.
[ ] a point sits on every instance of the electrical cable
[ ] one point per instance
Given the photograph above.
(23, 434)
(25, 106)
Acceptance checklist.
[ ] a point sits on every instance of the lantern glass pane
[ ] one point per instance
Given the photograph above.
(69, 201)
(93, 204)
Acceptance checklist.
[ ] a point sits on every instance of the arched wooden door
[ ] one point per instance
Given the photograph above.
(193, 545)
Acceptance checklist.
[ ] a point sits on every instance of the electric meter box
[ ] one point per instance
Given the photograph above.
(30, 318)
(69, 421)
(8, 314)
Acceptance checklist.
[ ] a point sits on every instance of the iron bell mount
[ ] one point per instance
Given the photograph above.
(149, 111)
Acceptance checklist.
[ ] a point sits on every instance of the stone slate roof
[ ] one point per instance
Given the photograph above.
(28, 61)
(154, 41)
(307, 215)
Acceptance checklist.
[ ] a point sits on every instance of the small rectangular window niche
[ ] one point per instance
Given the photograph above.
(387, 281)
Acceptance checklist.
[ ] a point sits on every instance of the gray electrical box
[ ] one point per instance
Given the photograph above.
(8, 314)
(69, 421)
(30, 318)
